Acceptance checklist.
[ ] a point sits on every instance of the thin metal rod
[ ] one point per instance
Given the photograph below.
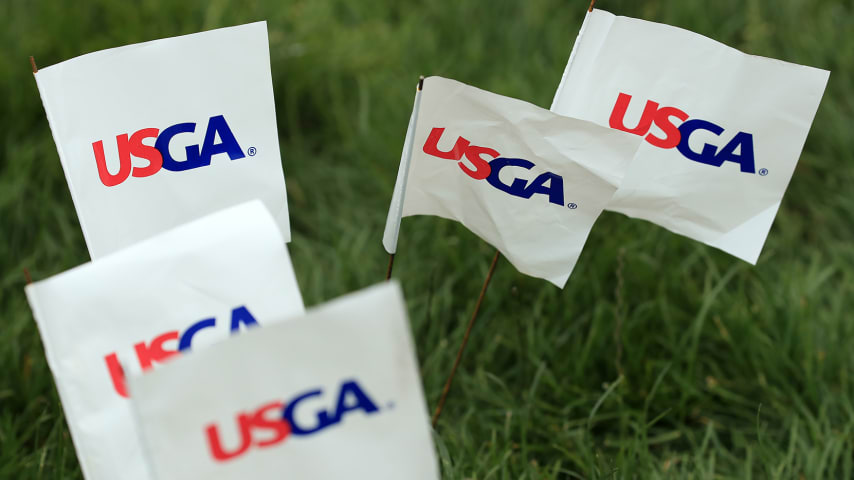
(390, 265)
(33, 64)
(465, 340)
(592, 2)
(618, 312)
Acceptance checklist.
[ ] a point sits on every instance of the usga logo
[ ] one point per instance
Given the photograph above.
(271, 423)
(149, 353)
(738, 150)
(547, 183)
(158, 155)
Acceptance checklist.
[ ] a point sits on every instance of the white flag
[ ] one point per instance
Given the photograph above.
(723, 130)
(527, 181)
(156, 134)
(135, 309)
(334, 394)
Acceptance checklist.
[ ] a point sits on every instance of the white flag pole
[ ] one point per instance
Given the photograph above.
(400, 186)
(27, 275)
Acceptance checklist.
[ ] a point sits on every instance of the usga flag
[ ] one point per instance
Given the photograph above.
(331, 395)
(133, 310)
(157, 134)
(527, 181)
(723, 130)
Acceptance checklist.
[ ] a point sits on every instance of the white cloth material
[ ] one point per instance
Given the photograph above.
(333, 394)
(522, 178)
(723, 130)
(186, 288)
(156, 134)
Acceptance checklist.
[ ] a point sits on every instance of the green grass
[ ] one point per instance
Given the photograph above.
(728, 370)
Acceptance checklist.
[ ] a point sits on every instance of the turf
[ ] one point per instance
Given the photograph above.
(662, 358)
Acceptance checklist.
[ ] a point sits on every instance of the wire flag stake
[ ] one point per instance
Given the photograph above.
(465, 341)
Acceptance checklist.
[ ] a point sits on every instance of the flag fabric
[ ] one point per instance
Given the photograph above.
(522, 178)
(156, 134)
(133, 310)
(333, 394)
(723, 130)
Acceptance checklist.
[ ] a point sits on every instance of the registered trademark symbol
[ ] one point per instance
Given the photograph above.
(252, 151)
(572, 206)
(763, 171)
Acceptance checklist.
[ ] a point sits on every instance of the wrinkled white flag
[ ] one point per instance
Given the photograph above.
(135, 309)
(522, 178)
(156, 134)
(723, 130)
(330, 395)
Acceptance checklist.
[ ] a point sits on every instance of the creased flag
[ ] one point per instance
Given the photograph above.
(133, 310)
(522, 178)
(156, 134)
(723, 130)
(330, 395)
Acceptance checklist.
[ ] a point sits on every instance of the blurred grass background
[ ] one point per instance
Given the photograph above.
(729, 371)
